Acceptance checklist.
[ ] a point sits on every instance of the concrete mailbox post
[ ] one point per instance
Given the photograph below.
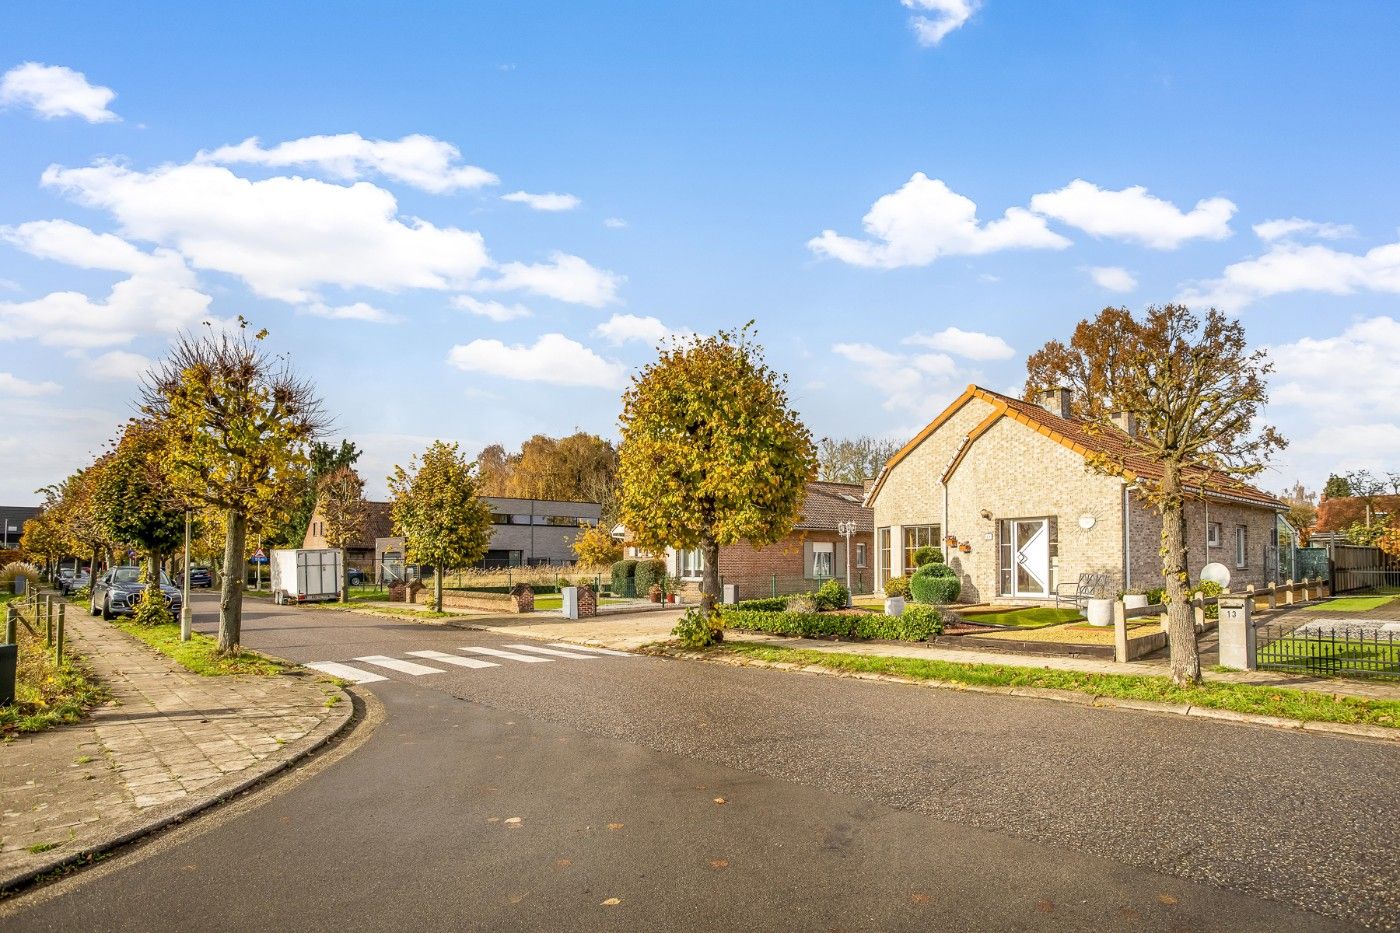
(1237, 638)
(731, 594)
(570, 594)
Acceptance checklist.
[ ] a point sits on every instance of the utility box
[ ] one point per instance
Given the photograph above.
(305, 575)
(731, 594)
(570, 601)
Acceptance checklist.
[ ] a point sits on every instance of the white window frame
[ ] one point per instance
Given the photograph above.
(1213, 532)
(820, 550)
(690, 564)
(1241, 547)
(860, 555)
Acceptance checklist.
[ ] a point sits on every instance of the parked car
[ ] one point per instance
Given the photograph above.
(356, 576)
(200, 577)
(115, 593)
(70, 580)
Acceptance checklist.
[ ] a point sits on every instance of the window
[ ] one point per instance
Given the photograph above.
(1241, 546)
(860, 555)
(1213, 534)
(884, 556)
(823, 560)
(690, 563)
(915, 537)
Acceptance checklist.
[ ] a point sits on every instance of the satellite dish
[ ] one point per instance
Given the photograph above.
(1216, 573)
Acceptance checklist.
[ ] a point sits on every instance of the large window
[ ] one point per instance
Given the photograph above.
(917, 536)
(884, 555)
(860, 555)
(1241, 546)
(823, 560)
(691, 564)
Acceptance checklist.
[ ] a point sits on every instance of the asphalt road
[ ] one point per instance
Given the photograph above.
(534, 795)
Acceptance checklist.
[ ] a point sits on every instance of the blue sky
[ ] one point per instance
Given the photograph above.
(1033, 164)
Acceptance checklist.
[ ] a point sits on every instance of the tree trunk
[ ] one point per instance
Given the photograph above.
(709, 576)
(92, 571)
(1181, 620)
(344, 577)
(153, 573)
(437, 589)
(231, 593)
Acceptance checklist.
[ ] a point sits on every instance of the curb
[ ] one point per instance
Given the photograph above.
(338, 722)
(1340, 729)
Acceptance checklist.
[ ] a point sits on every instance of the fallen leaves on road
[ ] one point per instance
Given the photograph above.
(517, 898)
(614, 826)
(720, 801)
(563, 862)
(918, 898)
(1166, 899)
(1045, 906)
(719, 863)
(514, 822)
(611, 902)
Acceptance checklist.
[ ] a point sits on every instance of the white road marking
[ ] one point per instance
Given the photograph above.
(346, 672)
(616, 654)
(406, 667)
(557, 654)
(453, 659)
(508, 655)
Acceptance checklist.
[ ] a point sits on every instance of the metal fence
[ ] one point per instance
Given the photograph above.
(1356, 569)
(1327, 650)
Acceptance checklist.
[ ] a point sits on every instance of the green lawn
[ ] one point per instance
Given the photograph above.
(1352, 604)
(45, 694)
(201, 653)
(557, 602)
(1327, 657)
(1242, 698)
(1035, 617)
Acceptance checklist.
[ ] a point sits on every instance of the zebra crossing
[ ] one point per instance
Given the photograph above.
(363, 669)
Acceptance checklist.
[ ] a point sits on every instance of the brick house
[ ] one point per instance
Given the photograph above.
(1002, 486)
(811, 554)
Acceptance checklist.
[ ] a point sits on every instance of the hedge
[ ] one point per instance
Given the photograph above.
(927, 555)
(915, 626)
(624, 578)
(649, 573)
(931, 589)
(539, 589)
(766, 604)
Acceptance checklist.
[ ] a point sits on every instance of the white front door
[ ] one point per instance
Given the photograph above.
(1031, 551)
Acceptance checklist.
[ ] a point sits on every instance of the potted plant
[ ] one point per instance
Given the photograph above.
(1099, 611)
(1135, 599)
(654, 594)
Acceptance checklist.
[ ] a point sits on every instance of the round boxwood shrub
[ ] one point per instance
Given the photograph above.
(649, 573)
(927, 555)
(935, 584)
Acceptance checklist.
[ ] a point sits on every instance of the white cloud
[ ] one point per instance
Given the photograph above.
(946, 17)
(1113, 278)
(159, 295)
(1133, 214)
(1289, 267)
(564, 277)
(54, 91)
(614, 223)
(1283, 228)
(971, 344)
(118, 366)
(553, 358)
(543, 202)
(11, 384)
(865, 354)
(918, 383)
(924, 220)
(285, 237)
(417, 160)
(492, 310)
(621, 328)
(358, 311)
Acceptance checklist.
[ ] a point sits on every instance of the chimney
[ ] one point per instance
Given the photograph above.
(1057, 401)
(1127, 422)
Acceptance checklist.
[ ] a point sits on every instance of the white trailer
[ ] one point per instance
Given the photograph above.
(305, 575)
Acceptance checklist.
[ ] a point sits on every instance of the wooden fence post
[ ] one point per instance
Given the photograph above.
(58, 638)
(1288, 592)
(1120, 632)
(48, 626)
(1199, 603)
(11, 624)
(1273, 595)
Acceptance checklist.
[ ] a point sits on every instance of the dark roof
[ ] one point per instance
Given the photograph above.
(829, 503)
(1086, 439)
(380, 523)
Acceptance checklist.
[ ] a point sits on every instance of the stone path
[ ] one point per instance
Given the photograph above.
(169, 739)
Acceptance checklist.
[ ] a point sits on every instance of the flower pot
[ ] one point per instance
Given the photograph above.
(1135, 601)
(671, 597)
(1099, 612)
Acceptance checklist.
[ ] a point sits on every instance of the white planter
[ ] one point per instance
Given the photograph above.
(1099, 612)
(1135, 601)
(894, 606)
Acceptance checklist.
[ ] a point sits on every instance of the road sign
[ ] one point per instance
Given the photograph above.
(259, 554)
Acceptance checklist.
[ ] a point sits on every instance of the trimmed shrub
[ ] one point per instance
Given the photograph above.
(152, 610)
(831, 595)
(624, 578)
(853, 627)
(649, 573)
(766, 604)
(927, 555)
(935, 587)
(918, 623)
(802, 602)
(695, 631)
(897, 586)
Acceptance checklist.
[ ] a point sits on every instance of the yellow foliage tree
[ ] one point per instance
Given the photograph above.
(436, 508)
(595, 546)
(341, 496)
(711, 453)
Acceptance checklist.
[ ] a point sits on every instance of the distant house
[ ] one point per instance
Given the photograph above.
(807, 557)
(523, 532)
(1002, 486)
(12, 520)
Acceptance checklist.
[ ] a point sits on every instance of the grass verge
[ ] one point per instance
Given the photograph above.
(201, 653)
(1302, 705)
(45, 694)
(1035, 617)
(1351, 604)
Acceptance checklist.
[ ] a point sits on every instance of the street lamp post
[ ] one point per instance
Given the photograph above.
(846, 529)
(186, 614)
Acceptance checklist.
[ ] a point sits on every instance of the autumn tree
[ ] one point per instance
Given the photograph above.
(1389, 538)
(237, 425)
(344, 514)
(325, 458)
(712, 453)
(44, 539)
(82, 516)
(1364, 485)
(595, 546)
(854, 459)
(436, 507)
(1196, 391)
(135, 498)
(579, 468)
(1337, 487)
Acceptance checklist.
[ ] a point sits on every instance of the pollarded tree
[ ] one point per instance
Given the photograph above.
(237, 424)
(135, 499)
(1196, 391)
(345, 515)
(711, 452)
(82, 515)
(436, 507)
(44, 538)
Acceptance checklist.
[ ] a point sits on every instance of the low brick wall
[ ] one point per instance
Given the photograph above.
(519, 602)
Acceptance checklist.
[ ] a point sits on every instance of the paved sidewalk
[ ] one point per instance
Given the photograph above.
(621, 630)
(170, 741)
